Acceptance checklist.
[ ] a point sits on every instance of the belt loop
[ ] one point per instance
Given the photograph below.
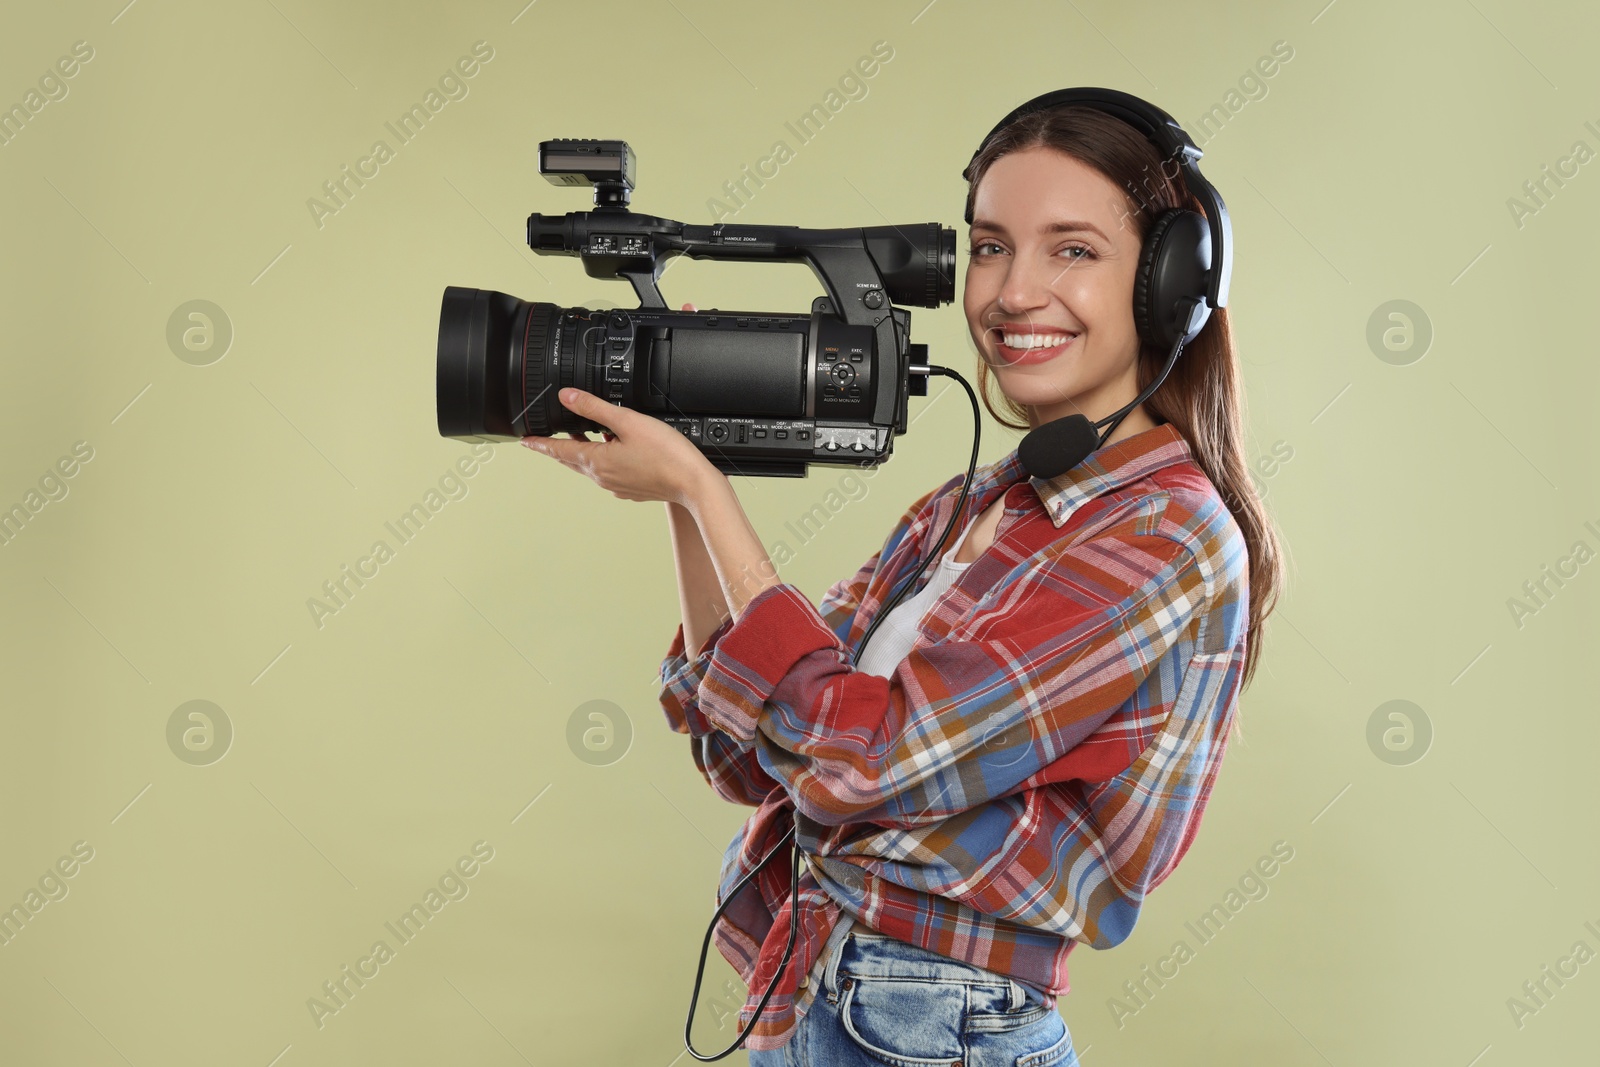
(1018, 996)
(847, 923)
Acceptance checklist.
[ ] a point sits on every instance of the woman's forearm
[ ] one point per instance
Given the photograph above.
(699, 592)
(743, 568)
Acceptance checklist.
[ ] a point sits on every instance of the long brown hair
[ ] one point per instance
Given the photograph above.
(1203, 396)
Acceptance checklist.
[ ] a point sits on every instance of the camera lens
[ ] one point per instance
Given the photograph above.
(498, 367)
(475, 362)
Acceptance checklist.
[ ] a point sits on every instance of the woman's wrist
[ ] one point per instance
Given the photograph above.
(699, 485)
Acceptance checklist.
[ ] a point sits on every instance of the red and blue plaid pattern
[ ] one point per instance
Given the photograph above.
(1037, 763)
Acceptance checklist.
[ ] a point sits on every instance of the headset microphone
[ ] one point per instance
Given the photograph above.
(1059, 445)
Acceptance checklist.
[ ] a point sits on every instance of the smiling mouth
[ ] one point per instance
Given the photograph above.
(1030, 345)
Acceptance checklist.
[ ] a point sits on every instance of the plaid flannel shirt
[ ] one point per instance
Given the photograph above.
(1038, 762)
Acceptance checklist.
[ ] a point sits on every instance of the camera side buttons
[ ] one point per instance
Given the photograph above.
(785, 434)
(841, 380)
(846, 438)
(779, 435)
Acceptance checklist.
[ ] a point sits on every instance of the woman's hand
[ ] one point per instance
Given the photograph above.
(641, 458)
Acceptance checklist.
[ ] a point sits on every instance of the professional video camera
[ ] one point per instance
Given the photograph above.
(760, 393)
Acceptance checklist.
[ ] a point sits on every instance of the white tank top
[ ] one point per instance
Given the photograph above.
(898, 632)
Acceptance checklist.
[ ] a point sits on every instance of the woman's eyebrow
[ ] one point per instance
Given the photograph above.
(1059, 226)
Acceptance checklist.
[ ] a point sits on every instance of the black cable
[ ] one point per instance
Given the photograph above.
(972, 464)
(794, 930)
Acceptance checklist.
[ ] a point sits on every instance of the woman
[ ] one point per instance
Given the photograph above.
(1026, 746)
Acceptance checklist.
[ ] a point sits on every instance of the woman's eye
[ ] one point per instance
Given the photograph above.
(980, 249)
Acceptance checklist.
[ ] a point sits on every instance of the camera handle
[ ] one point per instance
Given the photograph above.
(644, 285)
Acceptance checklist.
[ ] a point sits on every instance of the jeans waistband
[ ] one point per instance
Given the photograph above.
(937, 964)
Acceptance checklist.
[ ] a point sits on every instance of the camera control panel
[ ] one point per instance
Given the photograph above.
(777, 437)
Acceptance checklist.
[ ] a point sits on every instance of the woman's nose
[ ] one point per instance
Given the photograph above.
(1023, 290)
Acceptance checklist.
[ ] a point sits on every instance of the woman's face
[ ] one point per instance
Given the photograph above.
(1049, 289)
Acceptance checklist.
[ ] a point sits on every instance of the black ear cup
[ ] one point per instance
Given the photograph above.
(1170, 285)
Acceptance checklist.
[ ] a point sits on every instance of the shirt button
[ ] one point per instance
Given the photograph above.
(804, 981)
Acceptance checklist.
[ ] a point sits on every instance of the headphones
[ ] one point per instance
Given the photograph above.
(1184, 266)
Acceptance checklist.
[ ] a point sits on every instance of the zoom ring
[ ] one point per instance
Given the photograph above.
(535, 354)
(932, 275)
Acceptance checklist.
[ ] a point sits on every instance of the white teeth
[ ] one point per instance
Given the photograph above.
(1035, 340)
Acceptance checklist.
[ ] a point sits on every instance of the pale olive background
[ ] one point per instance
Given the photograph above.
(371, 753)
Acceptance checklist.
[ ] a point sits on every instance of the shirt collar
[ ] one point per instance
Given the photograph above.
(1103, 471)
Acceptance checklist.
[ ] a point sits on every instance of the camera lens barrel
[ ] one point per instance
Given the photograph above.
(541, 370)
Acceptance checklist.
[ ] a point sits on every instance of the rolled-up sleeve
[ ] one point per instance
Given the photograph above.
(728, 766)
(680, 682)
(727, 761)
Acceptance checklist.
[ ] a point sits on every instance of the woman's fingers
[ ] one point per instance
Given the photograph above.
(591, 407)
(567, 452)
(636, 457)
(690, 307)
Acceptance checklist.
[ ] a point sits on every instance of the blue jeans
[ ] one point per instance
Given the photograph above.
(884, 1001)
